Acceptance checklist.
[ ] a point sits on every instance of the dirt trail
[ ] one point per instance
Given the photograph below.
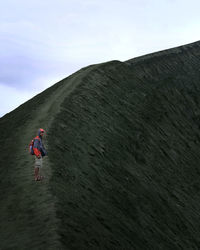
(38, 194)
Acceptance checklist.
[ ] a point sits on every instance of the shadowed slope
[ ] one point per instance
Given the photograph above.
(123, 166)
(127, 158)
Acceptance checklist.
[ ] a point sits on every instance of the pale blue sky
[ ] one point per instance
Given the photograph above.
(42, 42)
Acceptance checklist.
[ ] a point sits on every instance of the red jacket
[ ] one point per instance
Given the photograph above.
(35, 149)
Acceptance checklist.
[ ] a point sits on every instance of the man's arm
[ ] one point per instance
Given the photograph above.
(43, 150)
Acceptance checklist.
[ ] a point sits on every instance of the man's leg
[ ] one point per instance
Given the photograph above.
(38, 165)
(36, 173)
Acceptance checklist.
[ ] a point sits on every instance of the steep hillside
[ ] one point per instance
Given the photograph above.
(123, 158)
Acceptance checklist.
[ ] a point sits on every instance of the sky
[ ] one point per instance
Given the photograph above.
(42, 42)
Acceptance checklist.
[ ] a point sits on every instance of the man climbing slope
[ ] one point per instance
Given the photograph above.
(39, 152)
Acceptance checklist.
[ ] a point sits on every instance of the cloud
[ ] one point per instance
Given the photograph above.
(12, 98)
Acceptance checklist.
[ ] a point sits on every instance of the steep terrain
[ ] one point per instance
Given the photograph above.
(123, 165)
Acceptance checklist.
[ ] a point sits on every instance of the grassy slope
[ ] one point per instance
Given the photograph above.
(28, 218)
(123, 165)
(126, 164)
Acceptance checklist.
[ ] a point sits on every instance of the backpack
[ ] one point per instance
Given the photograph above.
(31, 151)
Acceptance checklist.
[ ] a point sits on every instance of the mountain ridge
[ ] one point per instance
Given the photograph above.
(174, 50)
(123, 155)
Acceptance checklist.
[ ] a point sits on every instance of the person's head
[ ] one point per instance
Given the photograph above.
(41, 132)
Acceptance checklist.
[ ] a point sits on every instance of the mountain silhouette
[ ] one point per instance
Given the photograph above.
(123, 164)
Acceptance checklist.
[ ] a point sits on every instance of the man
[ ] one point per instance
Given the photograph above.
(39, 152)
